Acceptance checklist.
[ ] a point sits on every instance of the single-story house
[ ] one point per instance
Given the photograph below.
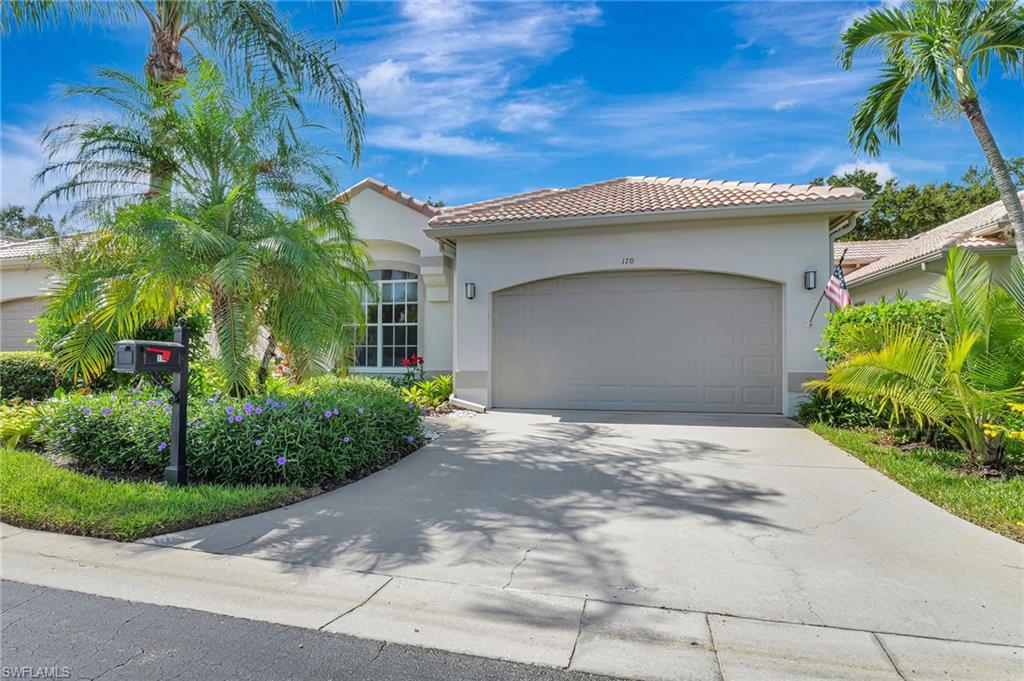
(910, 267)
(23, 279)
(638, 293)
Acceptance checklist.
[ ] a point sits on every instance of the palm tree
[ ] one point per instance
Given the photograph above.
(249, 37)
(960, 383)
(249, 232)
(947, 46)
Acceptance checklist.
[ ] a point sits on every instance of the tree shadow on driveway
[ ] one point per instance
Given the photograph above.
(472, 506)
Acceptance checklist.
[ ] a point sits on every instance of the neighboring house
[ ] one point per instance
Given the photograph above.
(858, 254)
(639, 293)
(913, 265)
(23, 278)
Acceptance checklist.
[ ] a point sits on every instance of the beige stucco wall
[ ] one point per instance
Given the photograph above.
(777, 250)
(394, 235)
(22, 285)
(916, 282)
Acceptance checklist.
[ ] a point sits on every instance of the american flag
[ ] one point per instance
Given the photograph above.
(835, 289)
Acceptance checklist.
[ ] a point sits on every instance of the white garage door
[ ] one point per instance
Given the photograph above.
(645, 341)
(16, 326)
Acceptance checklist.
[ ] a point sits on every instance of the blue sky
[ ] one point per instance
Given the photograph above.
(468, 101)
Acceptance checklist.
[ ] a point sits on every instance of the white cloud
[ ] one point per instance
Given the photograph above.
(453, 70)
(418, 168)
(883, 170)
(783, 104)
(398, 137)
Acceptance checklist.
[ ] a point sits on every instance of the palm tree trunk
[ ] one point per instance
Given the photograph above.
(268, 354)
(164, 65)
(1000, 173)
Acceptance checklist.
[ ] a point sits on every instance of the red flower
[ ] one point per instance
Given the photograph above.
(406, 362)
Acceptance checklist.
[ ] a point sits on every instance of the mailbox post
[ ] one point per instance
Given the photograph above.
(152, 357)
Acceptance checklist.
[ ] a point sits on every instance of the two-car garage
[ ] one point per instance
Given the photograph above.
(639, 341)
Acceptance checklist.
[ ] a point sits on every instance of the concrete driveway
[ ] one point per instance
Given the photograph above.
(748, 516)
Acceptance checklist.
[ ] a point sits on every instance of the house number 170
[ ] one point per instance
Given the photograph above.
(627, 261)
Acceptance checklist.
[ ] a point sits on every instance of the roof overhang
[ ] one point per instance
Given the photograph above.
(922, 260)
(844, 209)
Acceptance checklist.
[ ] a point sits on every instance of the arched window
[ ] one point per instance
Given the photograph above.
(392, 331)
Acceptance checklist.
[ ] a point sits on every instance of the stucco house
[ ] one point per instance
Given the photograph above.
(637, 293)
(23, 280)
(910, 267)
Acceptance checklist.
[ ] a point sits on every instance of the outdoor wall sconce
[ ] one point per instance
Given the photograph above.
(811, 280)
(470, 290)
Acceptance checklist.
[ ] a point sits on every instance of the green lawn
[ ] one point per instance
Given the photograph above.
(36, 494)
(933, 473)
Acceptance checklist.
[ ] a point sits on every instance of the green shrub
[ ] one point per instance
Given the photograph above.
(19, 423)
(328, 430)
(837, 411)
(855, 329)
(430, 393)
(27, 376)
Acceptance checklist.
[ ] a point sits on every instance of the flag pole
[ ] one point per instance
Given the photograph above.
(810, 322)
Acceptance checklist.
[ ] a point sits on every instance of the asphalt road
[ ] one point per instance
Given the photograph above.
(52, 633)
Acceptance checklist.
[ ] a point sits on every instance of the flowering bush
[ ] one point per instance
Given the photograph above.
(327, 431)
(413, 370)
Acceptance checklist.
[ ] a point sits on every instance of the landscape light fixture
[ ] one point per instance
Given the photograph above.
(811, 280)
(470, 290)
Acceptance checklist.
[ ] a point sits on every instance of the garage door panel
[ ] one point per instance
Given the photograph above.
(639, 340)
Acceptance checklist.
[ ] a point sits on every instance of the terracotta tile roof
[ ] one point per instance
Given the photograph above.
(631, 195)
(860, 252)
(390, 192)
(988, 222)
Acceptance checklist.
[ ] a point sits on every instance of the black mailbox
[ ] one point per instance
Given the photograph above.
(148, 357)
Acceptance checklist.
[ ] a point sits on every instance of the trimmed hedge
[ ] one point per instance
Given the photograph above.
(330, 431)
(28, 376)
(848, 328)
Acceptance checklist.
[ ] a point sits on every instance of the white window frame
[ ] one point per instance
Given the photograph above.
(380, 324)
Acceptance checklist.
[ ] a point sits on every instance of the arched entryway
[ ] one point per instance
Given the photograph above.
(653, 340)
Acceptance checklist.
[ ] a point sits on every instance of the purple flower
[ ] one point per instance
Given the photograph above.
(308, 403)
(411, 438)
(328, 414)
(275, 405)
(360, 410)
(239, 418)
(248, 407)
(410, 404)
(161, 447)
(281, 460)
(211, 401)
(87, 411)
(136, 390)
(336, 411)
(167, 409)
(258, 410)
(136, 403)
(74, 430)
(229, 410)
(106, 411)
(346, 439)
(259, 442)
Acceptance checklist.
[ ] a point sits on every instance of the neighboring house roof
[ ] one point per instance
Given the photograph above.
(26, 249)
(7, 240)
(390, 192)
(863, 252)
(638, 195)
(985, 228)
